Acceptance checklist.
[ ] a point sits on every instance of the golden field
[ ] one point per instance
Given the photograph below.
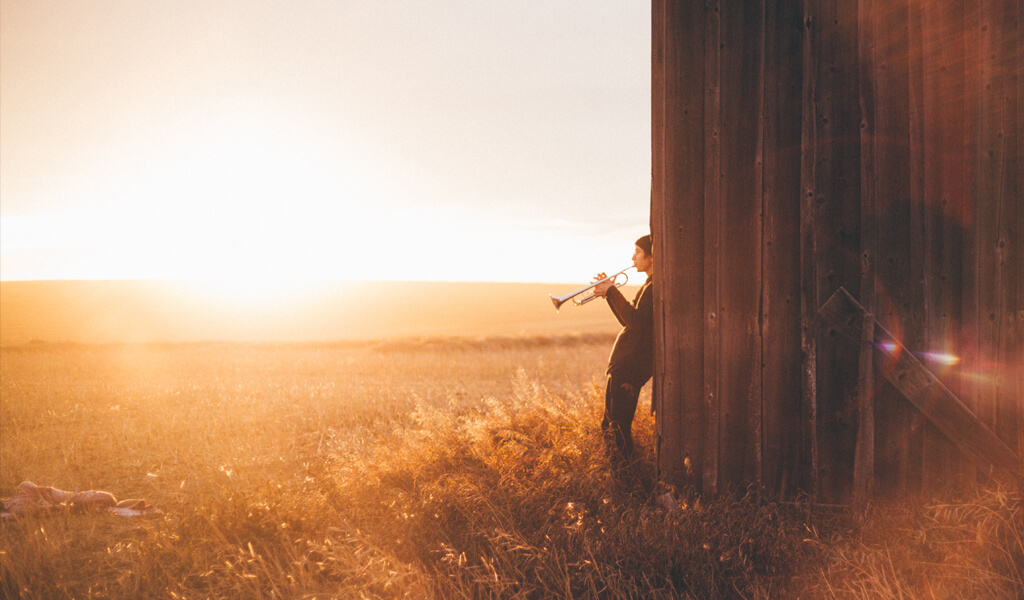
(421, 467)
(142, 312)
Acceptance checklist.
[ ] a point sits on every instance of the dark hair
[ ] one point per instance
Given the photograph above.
(646, 244)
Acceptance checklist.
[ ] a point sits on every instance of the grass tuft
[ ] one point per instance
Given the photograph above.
(519, 499)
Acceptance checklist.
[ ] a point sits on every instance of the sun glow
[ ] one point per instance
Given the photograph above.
(245, 293)
(247, 207)
(241, 205)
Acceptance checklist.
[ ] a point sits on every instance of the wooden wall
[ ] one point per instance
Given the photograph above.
(800, 147)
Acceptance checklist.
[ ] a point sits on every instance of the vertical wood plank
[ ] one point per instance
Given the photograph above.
(753, 291)
(663, 436)
(811, 65)
(969, 351)
(869, 184)
(739, 247)
(864, 457)
(1009, 210)
(949, 206)
(838, 231)
(998, 168)
(679, 241)
(896, 270)
(712, 254)
(989, 160)
(900, 428)
(1018, 247)
(781, 381)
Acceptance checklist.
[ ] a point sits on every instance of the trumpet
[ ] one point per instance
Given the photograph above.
(558, 301)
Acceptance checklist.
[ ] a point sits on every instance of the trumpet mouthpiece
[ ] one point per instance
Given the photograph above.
(556, 301)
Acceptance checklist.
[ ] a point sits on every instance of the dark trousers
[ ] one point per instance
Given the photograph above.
(620, 400)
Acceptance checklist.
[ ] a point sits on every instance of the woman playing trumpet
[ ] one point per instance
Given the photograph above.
(631, 362)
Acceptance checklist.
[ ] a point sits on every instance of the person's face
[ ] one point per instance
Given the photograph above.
(642, 261)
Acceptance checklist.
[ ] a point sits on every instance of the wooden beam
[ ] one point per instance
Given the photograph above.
(843, 315)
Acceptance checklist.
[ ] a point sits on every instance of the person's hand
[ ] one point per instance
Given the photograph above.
(602, 288)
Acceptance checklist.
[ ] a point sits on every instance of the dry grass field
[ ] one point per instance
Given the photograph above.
(440, 467)
(144, 312)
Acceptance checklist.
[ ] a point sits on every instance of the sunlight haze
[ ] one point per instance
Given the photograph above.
(244, 143)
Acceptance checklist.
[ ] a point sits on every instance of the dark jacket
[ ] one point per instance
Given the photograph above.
(632, 357)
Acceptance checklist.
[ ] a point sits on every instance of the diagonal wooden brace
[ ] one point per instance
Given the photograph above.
(843, 315)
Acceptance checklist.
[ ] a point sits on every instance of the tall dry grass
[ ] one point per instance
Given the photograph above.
(426, 468)
(970, 546)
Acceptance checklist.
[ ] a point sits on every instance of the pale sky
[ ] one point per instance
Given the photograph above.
(323, 140)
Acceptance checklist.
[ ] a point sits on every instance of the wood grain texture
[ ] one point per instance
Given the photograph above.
(780, 247)
(739, 231)
(678, 226)
(712, 246)
(871, 145)
(844, 318)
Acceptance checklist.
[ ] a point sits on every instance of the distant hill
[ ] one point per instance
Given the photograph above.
(159, 311)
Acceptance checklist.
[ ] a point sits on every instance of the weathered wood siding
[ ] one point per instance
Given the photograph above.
(804, 146)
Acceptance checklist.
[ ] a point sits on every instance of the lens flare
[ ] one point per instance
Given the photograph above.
(942, 358)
